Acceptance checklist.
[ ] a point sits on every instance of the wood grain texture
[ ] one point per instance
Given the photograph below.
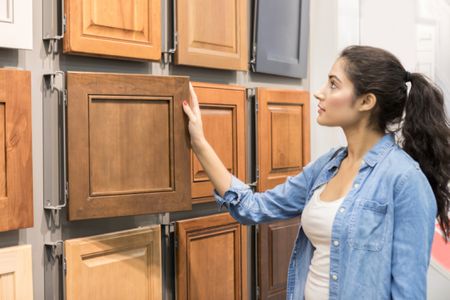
(16, 171)
(211, 258)
(128, 145)
(114, 28)
(16, 273)
(223, 112)
(216, 39)
(119, 265)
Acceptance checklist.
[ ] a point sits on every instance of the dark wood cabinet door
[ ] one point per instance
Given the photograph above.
(16, 174)
(128, 29)
(128, 145)
(211, 258)
(283, 148)
(223, 115)
(212, 34)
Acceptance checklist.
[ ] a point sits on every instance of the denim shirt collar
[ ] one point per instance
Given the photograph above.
(372, 157)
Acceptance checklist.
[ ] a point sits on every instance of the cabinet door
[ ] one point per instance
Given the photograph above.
(281, 37)
(16, 278)
(212, 34)
(223, 115)
(283, 135)
(16, 175)
(120, 265)
(211, 258)
(128, 145)
(16, 24)
(128, 29)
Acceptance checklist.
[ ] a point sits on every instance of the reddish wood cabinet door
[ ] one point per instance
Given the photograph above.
(212, 34)
(211, 258)
(128, 145)
(223, 116)
(128, 29)
(16, 174)
(283, 148)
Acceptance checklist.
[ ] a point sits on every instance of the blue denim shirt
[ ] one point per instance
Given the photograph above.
(382, 232)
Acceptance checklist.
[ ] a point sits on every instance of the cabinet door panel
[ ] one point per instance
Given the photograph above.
(211, 258)
(128, 144)
(16, 174)
(16, 278)
(16, 24)
(128, 29)
(223, 116)
(95, 265)
(212, 34)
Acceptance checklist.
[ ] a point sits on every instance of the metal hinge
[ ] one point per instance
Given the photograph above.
(253, 58)
(54, 39)
(257, 292)
(55, 252)
(167, 56)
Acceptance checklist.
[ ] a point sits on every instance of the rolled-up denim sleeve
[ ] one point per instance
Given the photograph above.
(414, 220)
(284, 201)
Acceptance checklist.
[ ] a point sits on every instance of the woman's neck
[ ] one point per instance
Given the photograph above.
(359, 142)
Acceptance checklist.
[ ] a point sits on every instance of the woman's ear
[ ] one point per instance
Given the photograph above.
(367, 102)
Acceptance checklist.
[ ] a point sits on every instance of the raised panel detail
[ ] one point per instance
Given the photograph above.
(6, 11)
(211, 250)
(127, 145)
(16, 278)
(95, 265)
(16, 174)
(223, 115)
(129, 29)
(217, 39)
(16, 24)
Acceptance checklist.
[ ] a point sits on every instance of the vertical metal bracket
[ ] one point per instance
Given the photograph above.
(49, 10)
(56, 259)
(252, 99)
(50, 82)
(167, 56)
(254, 40)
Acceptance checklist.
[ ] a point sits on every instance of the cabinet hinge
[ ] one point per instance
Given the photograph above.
(253, 58)
(64, 23)
(257, 292)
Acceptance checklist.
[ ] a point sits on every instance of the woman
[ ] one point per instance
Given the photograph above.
(368, 209)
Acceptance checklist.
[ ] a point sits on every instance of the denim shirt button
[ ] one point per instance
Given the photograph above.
(342, 209)
(356, 185)
(336, 243)
(334, 276)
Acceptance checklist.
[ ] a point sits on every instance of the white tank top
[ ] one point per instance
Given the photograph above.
(317, 222)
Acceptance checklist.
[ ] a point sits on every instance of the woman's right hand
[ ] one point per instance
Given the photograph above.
(192, 110)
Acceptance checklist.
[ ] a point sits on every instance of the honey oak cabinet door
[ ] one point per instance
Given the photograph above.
(128, 145)
(211, 258)
(128, 29)
(16, 24)
(212, 34)
(223, 116)
(120, 265)
(16, 278)
(16, 174)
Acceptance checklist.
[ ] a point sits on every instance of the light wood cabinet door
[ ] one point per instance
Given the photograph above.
(128, 145)
(223, 116)
(212, 34)
(120, 265)
(211, 258)
(16, 174)
(16, 24)
(128, 29)
(16, 276)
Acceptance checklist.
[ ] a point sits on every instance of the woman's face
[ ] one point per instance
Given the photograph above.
(335, 99)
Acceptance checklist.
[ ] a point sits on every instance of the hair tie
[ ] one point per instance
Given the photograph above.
(407, 76)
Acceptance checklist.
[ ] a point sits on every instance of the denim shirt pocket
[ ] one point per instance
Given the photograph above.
(367, 230)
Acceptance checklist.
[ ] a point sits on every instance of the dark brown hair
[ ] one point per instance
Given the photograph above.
(419, 116)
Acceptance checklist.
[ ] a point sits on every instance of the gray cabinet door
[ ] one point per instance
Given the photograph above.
(280, 37)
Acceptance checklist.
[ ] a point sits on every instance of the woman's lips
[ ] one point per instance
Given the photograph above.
(320, 109)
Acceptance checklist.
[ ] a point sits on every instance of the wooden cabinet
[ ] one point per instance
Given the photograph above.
(16, 24)
(120, 265)
(283, 148)
(16, 278)
(127, 29)
(211, 258)
(128, 145)
(16, 175)
(223, 115)
(212, 34)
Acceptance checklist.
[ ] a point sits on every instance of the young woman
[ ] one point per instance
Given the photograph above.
(368, 209)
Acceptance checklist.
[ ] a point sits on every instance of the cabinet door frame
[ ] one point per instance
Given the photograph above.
(16, 25)
(16, 262)
(203, 191)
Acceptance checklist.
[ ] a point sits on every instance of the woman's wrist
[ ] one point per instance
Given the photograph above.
(199, 145)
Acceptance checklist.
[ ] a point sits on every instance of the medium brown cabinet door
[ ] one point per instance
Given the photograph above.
(283, 148)
(16, 278)
(16, 175)
(120, 265)
(223, 116)
(128, 145)
(128, 29)
(211, 258)
(212, 34)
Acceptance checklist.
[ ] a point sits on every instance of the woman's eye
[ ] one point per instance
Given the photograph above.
(332, 85)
